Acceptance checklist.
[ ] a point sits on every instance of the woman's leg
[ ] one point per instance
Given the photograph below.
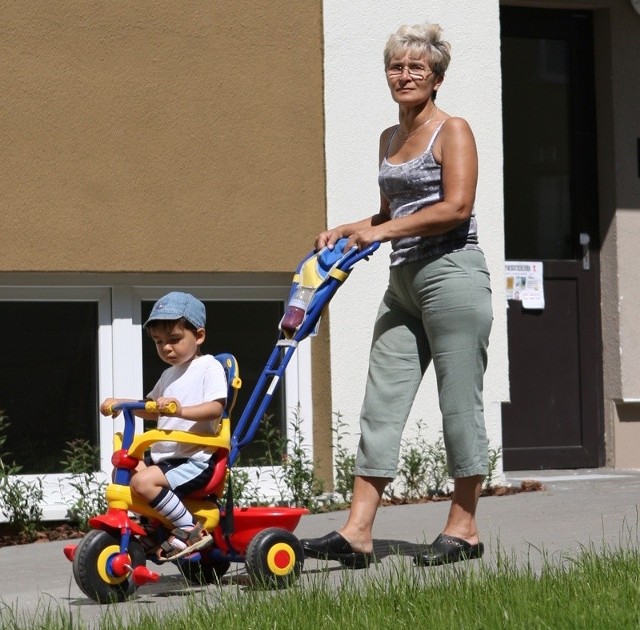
(456, 311)
(461, 521)
(352, 546)
(399, 356)
(457, 317)
(398, 359)
(358, 530)
(459, 539)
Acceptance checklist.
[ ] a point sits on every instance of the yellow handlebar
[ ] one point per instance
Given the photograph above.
(152, 407)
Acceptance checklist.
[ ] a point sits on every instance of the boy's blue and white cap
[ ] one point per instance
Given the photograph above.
(175, 305)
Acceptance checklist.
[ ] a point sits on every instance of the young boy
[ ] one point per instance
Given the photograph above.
(197, 385)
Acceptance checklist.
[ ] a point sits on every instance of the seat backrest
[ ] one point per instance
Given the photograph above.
(234, 383)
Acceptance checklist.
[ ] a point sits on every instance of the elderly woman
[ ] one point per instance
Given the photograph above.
(437, 307)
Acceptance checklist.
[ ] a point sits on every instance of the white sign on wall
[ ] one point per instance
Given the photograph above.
(524, 283)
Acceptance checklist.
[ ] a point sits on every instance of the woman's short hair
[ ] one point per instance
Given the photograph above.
(423, 39)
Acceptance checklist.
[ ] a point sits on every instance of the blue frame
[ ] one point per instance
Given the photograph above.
(284, 349)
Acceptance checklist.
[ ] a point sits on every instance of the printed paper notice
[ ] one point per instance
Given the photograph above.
(524, 283)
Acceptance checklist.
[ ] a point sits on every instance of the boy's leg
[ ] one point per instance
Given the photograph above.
(181, 478)
(151, 484)
(173, 509)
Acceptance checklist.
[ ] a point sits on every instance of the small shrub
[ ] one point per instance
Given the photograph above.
(20, 500)
(245, 491)
(291, 466)
(494, 457)
(437, 472)
(274, 445)
(21, 504)
(298, 470)
(81, 459)
(422, 469)
(413, 471)
(344, 461)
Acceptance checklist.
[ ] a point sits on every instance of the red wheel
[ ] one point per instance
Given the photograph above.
(274, 558)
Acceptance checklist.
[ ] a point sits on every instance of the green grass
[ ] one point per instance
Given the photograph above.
(593, 590)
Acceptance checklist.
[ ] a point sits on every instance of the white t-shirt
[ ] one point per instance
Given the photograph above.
(201, 380)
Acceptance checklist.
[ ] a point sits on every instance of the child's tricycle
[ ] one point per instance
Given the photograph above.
(109, 563)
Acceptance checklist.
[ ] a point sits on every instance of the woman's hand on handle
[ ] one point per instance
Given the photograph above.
(360, 234)
(365, 237)
(328, 238)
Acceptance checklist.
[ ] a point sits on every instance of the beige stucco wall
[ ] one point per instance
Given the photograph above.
(164, 137)
(153, 136)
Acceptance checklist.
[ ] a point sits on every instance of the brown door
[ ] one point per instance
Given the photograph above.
(554, 419)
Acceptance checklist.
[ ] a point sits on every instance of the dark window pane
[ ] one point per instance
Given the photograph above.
(48, 389)
(249, 331)
(537, 151)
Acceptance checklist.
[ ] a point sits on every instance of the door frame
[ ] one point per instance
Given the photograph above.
(531, 22)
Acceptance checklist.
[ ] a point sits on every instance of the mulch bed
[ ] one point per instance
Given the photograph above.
(49, 531)
(527, 485)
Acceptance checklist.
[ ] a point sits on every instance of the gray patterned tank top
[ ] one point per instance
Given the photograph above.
(411, 186)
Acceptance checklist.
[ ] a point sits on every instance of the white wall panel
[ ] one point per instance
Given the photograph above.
(358, 107)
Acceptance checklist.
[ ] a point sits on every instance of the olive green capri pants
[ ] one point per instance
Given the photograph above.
(439, 310)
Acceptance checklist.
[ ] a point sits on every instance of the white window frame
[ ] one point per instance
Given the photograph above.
(119, 301)
(56, 485)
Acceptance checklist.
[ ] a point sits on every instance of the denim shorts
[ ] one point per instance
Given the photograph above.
(435, 310)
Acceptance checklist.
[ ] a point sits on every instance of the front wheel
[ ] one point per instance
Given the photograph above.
(274, 558)
(93, 571)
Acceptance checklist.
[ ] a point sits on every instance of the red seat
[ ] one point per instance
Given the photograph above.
(217, 481)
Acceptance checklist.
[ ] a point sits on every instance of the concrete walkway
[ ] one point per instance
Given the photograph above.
(576, 509)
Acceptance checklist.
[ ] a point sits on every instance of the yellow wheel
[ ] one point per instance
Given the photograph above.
(102, 565)
(281, 559)
(274, 558)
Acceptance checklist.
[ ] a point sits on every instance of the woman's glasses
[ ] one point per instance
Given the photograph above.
(416, 71)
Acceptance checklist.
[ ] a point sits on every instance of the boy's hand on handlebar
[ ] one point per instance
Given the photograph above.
(169, 406)
(106, 408)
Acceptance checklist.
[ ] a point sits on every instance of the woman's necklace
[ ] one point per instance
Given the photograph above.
(413, 133)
